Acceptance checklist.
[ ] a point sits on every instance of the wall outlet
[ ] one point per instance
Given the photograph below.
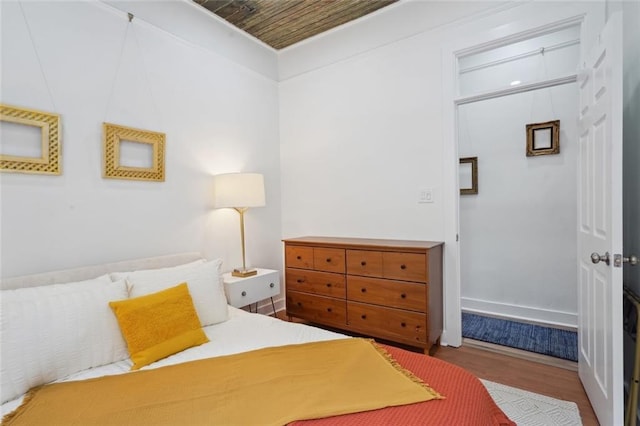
(425, 196)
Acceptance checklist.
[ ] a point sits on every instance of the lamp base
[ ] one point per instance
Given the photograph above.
(243, 272)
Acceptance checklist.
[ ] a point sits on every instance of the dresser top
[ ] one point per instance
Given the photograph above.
(359, 242)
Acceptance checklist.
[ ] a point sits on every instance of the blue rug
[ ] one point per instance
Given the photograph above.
(533, 338)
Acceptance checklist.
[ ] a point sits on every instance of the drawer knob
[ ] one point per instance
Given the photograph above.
(363, 263)
(298, 257)
(271, 285)
(300, 280)
(328, 260)
(363, 316)
(403, 266)
(299, 303)
(328, 284)
(244, 293)
(403, 324)
(404, 296)
(364, 290)
(329, 310)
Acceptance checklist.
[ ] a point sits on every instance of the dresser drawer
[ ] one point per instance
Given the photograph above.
(299, 257)
(245, 291)
(395, 294)
(364, 262)
(322, 283)
(328, 259)
(404, 266)
(324, 310)
(387, 289)
(388, 323)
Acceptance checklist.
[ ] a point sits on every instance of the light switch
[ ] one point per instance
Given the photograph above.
(425, 196)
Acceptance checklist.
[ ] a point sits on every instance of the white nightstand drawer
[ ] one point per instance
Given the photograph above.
(245, 291)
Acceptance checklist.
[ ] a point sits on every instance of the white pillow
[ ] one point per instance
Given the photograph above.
(117, 276)
(52, 331)
(204, 281)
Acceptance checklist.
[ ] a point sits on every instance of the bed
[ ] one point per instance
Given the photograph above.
(51, 341)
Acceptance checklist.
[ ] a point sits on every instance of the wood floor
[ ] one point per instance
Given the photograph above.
(556, 382)
(513, 369)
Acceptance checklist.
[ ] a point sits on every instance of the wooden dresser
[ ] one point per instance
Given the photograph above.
(389, 289)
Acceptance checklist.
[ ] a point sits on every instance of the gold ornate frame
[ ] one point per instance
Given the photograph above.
(113, 134)
(553, 127)
(473, 161)
(50, 162)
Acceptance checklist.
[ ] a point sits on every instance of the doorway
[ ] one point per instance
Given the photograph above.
(596, 325)
(517, 229)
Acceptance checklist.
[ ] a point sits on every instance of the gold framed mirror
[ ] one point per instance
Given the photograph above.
(46, 158)
(543, 138)
(468, 175)
(116, 138)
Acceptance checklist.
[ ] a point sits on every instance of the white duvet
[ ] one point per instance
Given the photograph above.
(242, 332)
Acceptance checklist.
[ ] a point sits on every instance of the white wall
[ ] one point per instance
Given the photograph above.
(360, 125)
(359, 139)
(395, 22)
(191, 22)
(218, 115)
(362, 133)
(518, 242)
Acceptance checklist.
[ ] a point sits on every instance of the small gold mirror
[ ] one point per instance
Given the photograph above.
(132, 153)
(543, 138)
(468, 175)
(20, 125)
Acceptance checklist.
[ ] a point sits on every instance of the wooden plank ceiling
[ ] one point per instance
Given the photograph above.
(281, 23)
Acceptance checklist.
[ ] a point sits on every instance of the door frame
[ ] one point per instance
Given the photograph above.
(591, 18)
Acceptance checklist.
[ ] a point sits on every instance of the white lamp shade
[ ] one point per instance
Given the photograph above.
(238, 190)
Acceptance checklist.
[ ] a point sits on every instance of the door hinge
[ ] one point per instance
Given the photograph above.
(457, 237)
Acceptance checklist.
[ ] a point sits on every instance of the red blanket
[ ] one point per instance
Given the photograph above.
(466, 402)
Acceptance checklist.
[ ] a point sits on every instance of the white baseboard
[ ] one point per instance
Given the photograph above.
(546, 317)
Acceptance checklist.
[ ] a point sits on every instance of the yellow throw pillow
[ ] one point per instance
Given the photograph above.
(159, 324)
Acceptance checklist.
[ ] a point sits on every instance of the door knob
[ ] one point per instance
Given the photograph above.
(596, 258)
(619, 259)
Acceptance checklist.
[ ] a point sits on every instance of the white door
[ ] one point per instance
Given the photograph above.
(600, 225)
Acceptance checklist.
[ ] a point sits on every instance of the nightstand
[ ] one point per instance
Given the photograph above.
(245, 291)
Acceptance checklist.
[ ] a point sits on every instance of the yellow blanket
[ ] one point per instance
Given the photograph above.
(271, 386)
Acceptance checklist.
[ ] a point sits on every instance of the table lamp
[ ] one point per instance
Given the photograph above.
(239, 191)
